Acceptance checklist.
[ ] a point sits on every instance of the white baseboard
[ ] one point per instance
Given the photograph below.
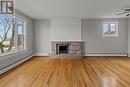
(107, 54)
(89, 54)
(14, 65)
(41, 54)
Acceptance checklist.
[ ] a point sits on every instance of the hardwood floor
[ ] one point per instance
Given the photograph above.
(88, 72)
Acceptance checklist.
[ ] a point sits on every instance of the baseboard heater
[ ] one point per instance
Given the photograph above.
(11, 66)
(106, 54)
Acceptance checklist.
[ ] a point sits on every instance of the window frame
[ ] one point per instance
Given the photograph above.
(23, 33)
(109, 23)
(16, 17)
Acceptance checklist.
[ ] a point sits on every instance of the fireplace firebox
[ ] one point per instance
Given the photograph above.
(62, 48)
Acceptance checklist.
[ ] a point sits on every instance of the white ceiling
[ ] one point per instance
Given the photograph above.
(42, 9)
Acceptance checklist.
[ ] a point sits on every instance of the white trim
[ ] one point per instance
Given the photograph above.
(41, 54)
(107, 54)
(14, 65)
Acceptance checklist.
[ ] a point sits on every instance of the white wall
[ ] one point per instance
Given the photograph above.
(129, 37)
(42, 37)
(7, 60)
(66, 30)
(96, 44)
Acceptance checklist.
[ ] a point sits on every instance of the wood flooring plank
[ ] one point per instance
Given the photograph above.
(88, 72)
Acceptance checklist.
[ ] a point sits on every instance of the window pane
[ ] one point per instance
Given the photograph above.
(11, 34)
(20, 27)
(20, 36)
(7, 34)
(112, 29)
(105, 28)
(20, 42)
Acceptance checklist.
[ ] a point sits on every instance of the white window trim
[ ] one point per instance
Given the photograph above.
(24, 33)
(117, 26)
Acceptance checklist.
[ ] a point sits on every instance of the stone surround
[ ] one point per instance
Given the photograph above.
(72, 49)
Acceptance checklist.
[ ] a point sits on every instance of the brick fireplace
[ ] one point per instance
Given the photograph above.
(66, 49)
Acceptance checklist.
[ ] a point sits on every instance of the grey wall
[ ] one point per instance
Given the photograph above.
(14, 57)
(66, 29)
(95, 43)
(91, 32)
(55, 29)
(42, 37)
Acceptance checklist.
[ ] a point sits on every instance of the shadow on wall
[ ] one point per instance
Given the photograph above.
(83, 48)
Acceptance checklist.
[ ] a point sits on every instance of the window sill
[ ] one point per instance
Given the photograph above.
(11, 53)
(110, 36)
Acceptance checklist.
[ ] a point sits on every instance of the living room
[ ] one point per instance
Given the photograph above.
(65, 43)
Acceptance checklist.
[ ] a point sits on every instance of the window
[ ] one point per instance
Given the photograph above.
(110, 29)
(20, 34)
(12, 36)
